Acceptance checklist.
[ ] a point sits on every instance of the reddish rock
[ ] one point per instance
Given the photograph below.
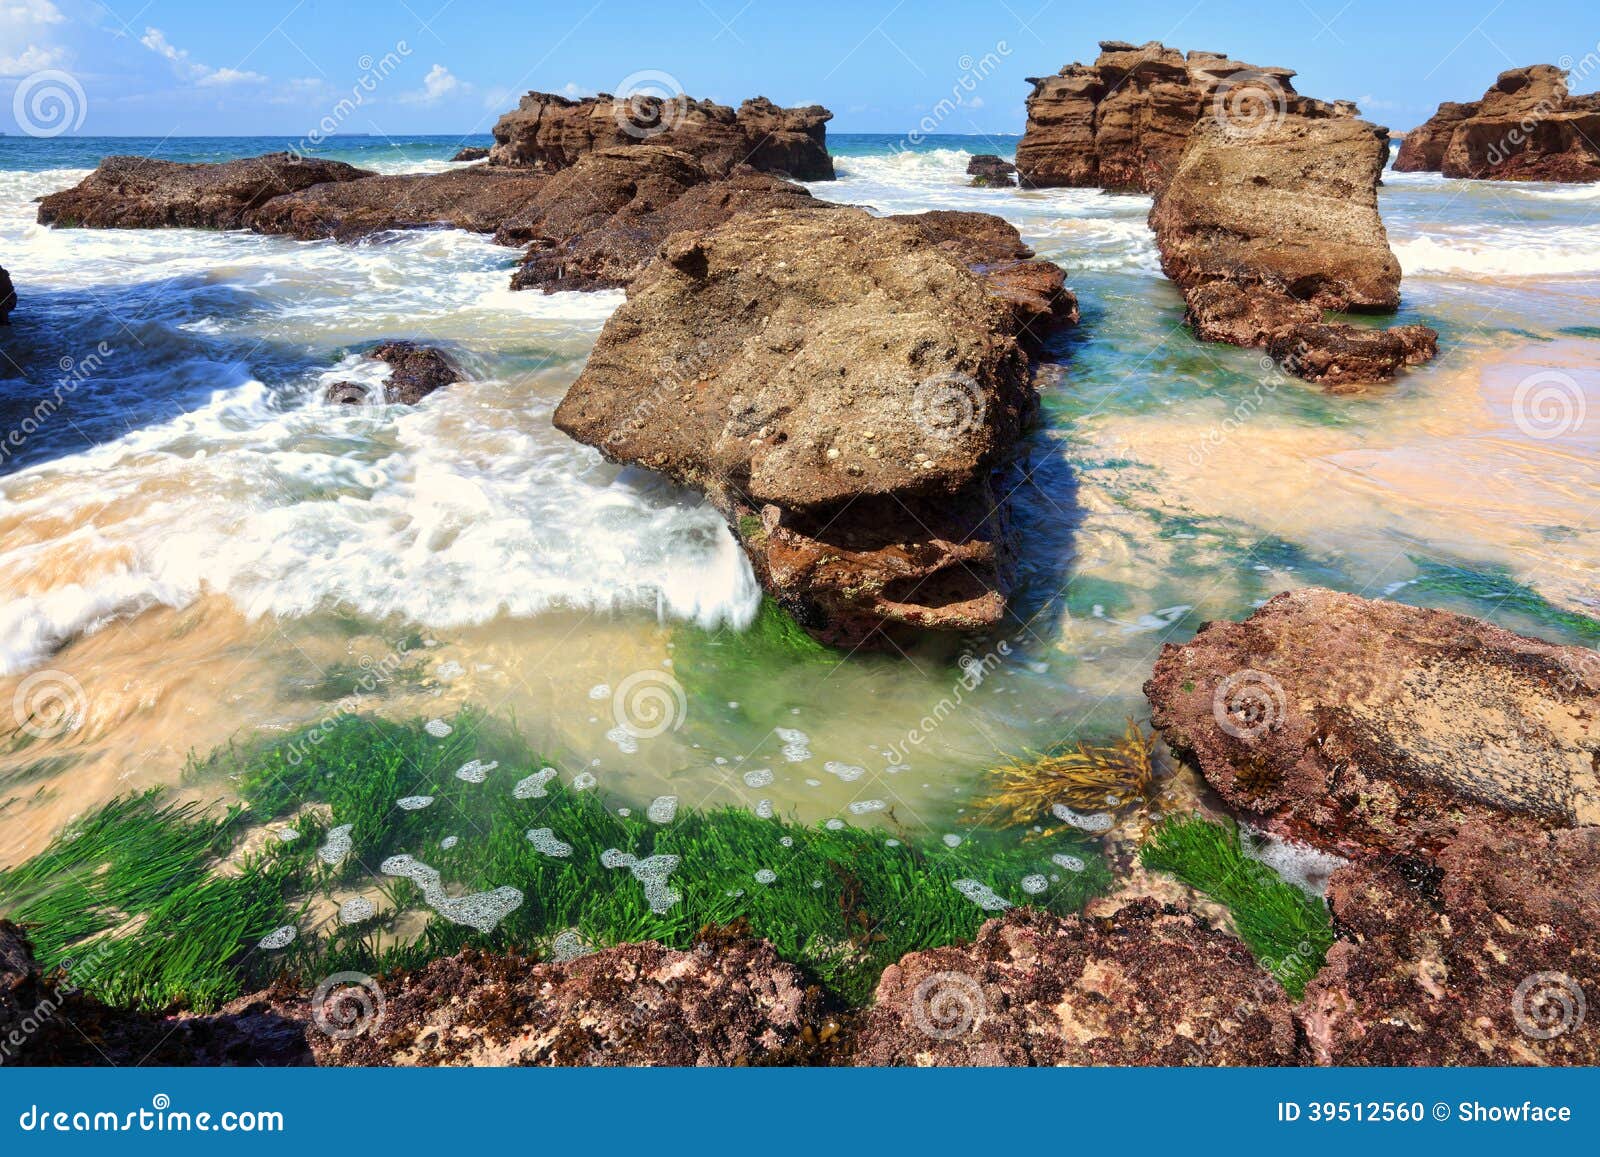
(1489, 954)
(597, 224)
(550, 132)
(731, 1002)
(418, 370)
(1370, 727)
(478, 200)
(1527, 127)
(989, 171)
(1270, 218)
(1145, 985)
(140, 193)
(841, 387)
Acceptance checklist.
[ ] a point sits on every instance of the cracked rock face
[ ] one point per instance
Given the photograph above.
(841, 387)
(139, 193)
(1527, 127)
(550, 132)
(1146, 985)
(476, 199)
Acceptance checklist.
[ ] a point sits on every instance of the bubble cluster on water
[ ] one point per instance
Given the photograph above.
(766, 876)
(280, 937)
(480, 910)
(413, 803)
(600, 691)
(662, 810)
(337, 845)
(583, 781)
(764, 809)
(535, 786)
(544, 840)
(437, 728)
(848, 772)
(982, 895)
(951, 840)
(863, 807)
(476, 771)
(759, 777)
(626, 741)
(568, 946)
(286, 835)
(1068, 862)
(449, 842)
(1096, 822)
(796, 744)
(1035, 884)
(356, 909)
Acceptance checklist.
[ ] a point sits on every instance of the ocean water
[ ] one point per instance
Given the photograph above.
(193, 548)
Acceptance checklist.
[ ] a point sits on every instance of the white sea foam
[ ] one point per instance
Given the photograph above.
(1501, 251)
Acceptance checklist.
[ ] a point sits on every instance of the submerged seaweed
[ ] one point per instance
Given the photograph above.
(178, 903)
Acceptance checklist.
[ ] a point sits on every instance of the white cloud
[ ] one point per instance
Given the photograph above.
(575, 90)
(202, 74)
(26, 23)
(438, 84)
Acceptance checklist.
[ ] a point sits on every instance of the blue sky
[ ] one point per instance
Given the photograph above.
(199, 67)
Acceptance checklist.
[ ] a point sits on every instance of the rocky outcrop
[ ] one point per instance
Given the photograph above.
(471, 153)
(1527, 127)
(1457, 766)
(550, 132)
(1146, 985)
(8, 297)
(478, 200)
(1123, 122)
(140, 193)
(1266, 225)
(597, 224)
(841, 387)
(417, 371)
(991, 172)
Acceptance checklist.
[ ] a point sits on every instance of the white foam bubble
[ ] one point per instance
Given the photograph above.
(280, 937)
(848, 772)
(337, 845)
(413, 803)
(437, 728)
(662, 810)
(866, 806)
(1069, 862)
(982, 895)
(1301, 864)
(356, 909)
(1035, 884)
(476, 771)
(766, 876)
(759, 777)
(545, 841)
(481, 910)
(535, 786)
(1097, 822)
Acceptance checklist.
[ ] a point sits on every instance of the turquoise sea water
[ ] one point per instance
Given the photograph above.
(204, 550)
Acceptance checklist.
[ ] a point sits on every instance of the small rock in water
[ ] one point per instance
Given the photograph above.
(1035, 884)
(355, 910)
(866, 806)
(437, 728)
(338, 844)
(663, 809)
(982, 895)
(535, 786)
(544, 840)
(476, 771)
(1098, 822)
(413, 803)
(278, 938)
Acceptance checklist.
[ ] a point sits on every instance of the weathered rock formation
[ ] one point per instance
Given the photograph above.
(418, 370)
(597, 224)
(550, 132)
(841, 387)
(1266, 225)
(476, 199)
(1143, 986)
(990, 172)
(8, 297)
(1458, 766)
(471, 153)
(1122, 123)
(140, 193)
(1527, 127)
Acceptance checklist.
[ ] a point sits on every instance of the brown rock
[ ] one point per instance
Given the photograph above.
(1369, 727)
(1146, 985)
(140, 193)
(597, 224)
(471, 153)
(8, 297)
(989, 171)
(1271, 218)
(418, 371)
(1527, 127)
(725, 1003)
(1488, 955)
(829, 380)
(478, 199)
(550, 132)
